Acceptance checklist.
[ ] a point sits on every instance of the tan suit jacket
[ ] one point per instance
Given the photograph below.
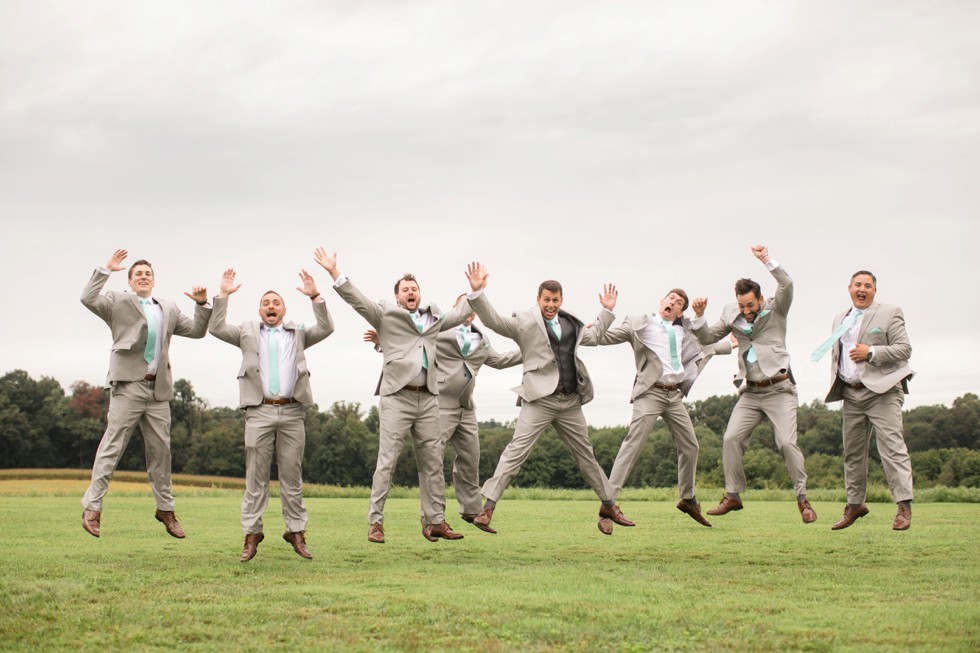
(457, 375)
(246, 337)
(401, 342)
(528, 330)
(649, 368)
(123, 313)
(768, 335)
(882, 327)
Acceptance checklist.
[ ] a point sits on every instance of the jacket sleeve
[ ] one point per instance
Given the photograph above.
(218, 325)
(94, 300)
(323, 326)
(365, 307)
(505, 326)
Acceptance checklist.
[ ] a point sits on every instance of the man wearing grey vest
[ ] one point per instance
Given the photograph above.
(765, 381)
(555, 386)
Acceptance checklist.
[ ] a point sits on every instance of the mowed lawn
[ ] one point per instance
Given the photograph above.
(760, 580)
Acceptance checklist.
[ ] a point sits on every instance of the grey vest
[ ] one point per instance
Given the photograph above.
(565, 355)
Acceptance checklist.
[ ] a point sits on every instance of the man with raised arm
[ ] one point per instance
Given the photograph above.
(555, 386)
(870, 372)
(765, 380)
(408, 388)
(274, 391)
(668, 361)
(139, 380)
(463, 352)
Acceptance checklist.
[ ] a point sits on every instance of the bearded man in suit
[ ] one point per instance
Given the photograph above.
(274, 390)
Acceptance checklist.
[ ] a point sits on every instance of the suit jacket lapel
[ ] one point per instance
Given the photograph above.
(866, 321)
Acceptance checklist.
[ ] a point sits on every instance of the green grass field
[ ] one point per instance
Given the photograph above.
(760, 580)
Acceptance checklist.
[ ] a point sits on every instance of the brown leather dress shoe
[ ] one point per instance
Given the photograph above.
(693, 508)
(482, 521)
(169, 519)
(376, 533)
(727, 505)
(251, 546)
(468, 517)
(851, 515)
(444, 531)
(615, 514)
(605, 526)
(91, 520)
(807, 511)
(903, 519)
(298, 540)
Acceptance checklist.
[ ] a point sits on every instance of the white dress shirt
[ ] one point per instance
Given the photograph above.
(656, 339)
(288, 372)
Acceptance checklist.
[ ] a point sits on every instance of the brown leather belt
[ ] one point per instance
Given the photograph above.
(150, 377)
(855, 386)
(416, 388)
(668, 388)
(768, 382)
(280, 402)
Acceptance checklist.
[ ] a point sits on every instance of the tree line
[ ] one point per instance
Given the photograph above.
(43, 426)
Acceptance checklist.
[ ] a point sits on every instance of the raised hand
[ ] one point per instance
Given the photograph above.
(698, 305)
(327, 261)
(114, 264)
(477, 275)
(228, 285)
(199, 294)
(608, 296)
(309, 284)
(761, 252)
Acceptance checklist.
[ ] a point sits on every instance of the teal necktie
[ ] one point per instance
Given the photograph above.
(672, 335)
(151, 331)
(750, 355)
(836, 335)
(467, 340)
(556, 327)
(417, 318)
(274, 362)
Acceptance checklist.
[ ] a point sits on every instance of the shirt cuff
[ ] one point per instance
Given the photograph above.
(474, 295)
(771, 265)
(104, 270)
(341, 280)
(697, 322)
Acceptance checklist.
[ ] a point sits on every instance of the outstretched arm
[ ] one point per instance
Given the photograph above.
(92, 297)
(784, 283)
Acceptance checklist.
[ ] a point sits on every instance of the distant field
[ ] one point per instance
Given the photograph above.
(759, 581)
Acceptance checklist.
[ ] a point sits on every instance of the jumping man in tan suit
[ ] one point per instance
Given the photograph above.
(555, 386)
(274, 388)
(872, 381)
(139, 380)
(668, 361)
(408, 389)
(769, 389)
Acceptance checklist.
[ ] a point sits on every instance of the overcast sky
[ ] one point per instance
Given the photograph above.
(647, 144)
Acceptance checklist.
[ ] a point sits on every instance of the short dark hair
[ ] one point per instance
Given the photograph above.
(746, 286)
(142, 261)
(860, 272)
(272, 292)
(683, 294)
(408, 276)
(550, 285)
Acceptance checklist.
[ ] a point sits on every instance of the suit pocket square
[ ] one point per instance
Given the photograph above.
(875, 330)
